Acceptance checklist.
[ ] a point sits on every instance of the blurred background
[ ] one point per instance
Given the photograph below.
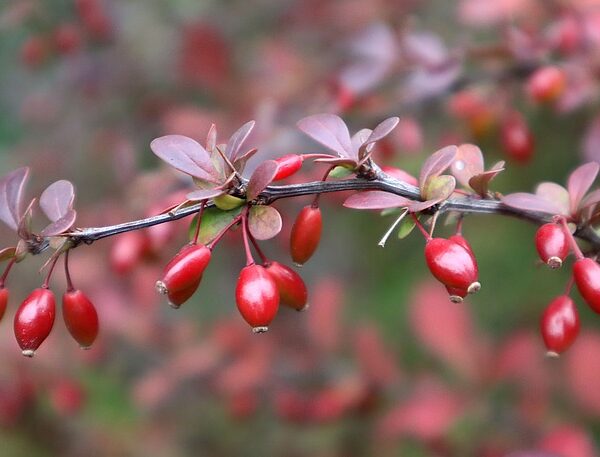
(381, 363)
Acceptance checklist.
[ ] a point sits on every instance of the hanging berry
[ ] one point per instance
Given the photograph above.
(552, 244)
(452, 264)
(34, 320)
(292, 290)
(586, 272)
(287, 166)
(3, 301)
(559, 325)
(80, 317)
(456, 295)
(257, 297)
(183, 273)
(306, 234)
(517, 140)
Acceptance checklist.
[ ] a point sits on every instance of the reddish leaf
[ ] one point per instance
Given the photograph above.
(359, 139)
(264, 222)
(203, 194)
(467, 163)
(580, 182)
(554, 193)
(57, 200)
(437, 163)
(375, 199)
(240, 162)
(235, 143)
(11, 196)
(330, 131)
(261, 178)
(382, 130)
(211, 138)
(60, 225)
(591, 199)
(530, 202)
(480, 183)
(24, 227)
(416, 207)
(439, 187)
(185, 155)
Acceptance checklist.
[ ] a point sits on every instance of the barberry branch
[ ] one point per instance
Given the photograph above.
(377, 181)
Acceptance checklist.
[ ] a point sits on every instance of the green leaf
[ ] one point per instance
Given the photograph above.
(213, 221)
(406, 227)
(340, 172)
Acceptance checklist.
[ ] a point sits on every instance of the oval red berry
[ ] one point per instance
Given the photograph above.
(306, 234)
(257, 297)
(34, 320)
(560, 324)
(80, 317)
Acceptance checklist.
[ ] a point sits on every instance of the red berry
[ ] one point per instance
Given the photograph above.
(306, 234)
(452, 264)
(179, 297)
(587, 277)
(292, 290)
(546, 84)
(80, 317)
(288, 165)
(3, 301)
(552, 244)
(464, 243)
(183, 273)
(34, 320)
(456, 295)
(517, 140)
(559, 325)
(257, 297)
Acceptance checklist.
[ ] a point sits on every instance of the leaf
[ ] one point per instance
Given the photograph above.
(261, 178)
(416, 207)
(7, 253)
(591, 199)
(11, 196)
(204, 194)
(439, 187)
(359, 139)
(185, 155)
(24, 227)
(57, 200)
(375, 199)
(530, 202)
(213, 221)
(330, 131)
(348, 163)
(236, 141)
(580, 182)
(480, 183)
(467, 163)
(400, 175)
(211, 138)
(240, 162)
(264, 222)
(340, 172)
(60, 225)
(382, 130)
(437, 163)
(554, 193)
(406, 227)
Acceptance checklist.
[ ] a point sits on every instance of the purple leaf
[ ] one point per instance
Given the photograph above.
(330, 131)
(375, 199)
(382, 130)
(480, 183)
(211, 138)
(437, 163)
(11, 196)
(261, 178)
(185, 155)
(264, 222)
(580, 182)
(240, 162)
(60, 225)
(554, 193)
(467, 163)
(24, 227)
(359, 138)
(530, 202)
(439, 187)
(57, 200)
(235, 143)
(204, 194)
(591, 199)
(415, 207)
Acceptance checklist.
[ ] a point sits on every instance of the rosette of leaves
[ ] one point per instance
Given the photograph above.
(56, 202)
(468, 169)
(332, 132)
(217, 173)
(575, 202)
